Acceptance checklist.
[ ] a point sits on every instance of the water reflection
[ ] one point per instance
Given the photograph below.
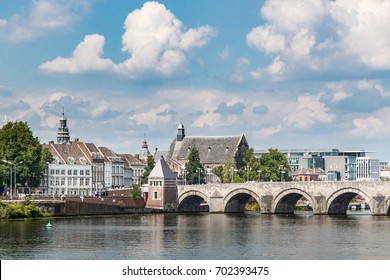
(199, 236)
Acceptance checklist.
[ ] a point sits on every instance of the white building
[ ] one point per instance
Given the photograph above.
(114, 169)
(367, 169)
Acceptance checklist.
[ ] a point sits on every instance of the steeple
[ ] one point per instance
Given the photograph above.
(180, 132)
(63, 131)
(144, 150)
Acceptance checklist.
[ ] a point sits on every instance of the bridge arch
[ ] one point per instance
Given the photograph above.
(285, 201)
(337, 203)
(387, 205)
(191, 201)
(235, 201)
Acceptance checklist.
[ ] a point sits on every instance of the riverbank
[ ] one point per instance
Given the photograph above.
(21, 209)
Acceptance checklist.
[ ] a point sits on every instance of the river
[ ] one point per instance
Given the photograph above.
(198, 236)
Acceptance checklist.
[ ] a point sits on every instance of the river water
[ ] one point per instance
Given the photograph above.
(198, 236)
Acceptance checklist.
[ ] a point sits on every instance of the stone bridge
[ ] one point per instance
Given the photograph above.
(280, 197)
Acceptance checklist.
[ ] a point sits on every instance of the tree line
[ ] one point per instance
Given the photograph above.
(271, 166)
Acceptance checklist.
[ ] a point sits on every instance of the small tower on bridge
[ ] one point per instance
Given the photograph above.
(162, 188)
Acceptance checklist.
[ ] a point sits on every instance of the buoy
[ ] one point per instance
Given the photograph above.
(48, 224)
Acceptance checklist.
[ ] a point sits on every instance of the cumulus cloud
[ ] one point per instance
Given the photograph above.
(41, 17)
(373, 126)
(86, 57)
(309, 111)
(317, 36)
(156, 41)
(211, 119)
(161, 115)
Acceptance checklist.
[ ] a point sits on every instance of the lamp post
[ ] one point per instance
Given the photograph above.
(10, 177)
(15, 164)
(199, 169)
(11, 164)
(281, 168)
(185, 176)
(247, 172)
(259, 171)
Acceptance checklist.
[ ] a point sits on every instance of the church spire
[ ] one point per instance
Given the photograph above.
(63, 131)
(180, 131)
(144, 150)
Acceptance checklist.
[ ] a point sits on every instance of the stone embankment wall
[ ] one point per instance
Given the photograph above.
(76, 206)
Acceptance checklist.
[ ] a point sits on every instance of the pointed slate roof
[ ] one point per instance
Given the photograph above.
(162, 170)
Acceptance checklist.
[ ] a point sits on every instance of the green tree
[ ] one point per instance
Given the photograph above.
(20, 147)
(251, 169)
(274, 166)
(195, 173)
(230, 174)
(149, 167)
(136, 192)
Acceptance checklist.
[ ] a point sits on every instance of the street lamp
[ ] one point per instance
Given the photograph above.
(10, 176)
(199, 169)
(281, 168)
(185, 176)
(259, 171)
(15, 172)
(11, 164)
(247, 172)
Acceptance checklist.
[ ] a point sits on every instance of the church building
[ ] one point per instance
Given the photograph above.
(214, 151)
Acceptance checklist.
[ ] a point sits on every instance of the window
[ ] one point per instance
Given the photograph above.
(57, 172)
(75, 172)
(81, 172)
(52, 171)
(69, 172)
(155, 195)
(87, 172)
(62, 171)
(87, 181)
(81, 181)
(62, 181)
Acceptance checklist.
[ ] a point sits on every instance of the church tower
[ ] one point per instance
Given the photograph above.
(63, 131)
(144, 151)
(180, 132)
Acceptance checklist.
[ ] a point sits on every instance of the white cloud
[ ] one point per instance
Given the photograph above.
(317, 35)
(86, 57)
(41, 17)
(363, 28)
(156, 41)
(240, 72)
(154, 117)
(273, 72)
(309, 111)
(268, 131)
(208, 119)
(373, 126)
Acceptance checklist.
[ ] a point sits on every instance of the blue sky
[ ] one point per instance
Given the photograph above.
(287, 74)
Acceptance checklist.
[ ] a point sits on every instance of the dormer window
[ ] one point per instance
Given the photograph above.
(71, 160)
(83, 160)
(57, 160)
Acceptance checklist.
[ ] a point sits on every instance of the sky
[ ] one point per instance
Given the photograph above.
(287, 74)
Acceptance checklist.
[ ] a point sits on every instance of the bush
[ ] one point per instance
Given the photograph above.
(26, 209)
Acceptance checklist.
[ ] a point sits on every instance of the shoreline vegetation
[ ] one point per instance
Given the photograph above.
(20, 210)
